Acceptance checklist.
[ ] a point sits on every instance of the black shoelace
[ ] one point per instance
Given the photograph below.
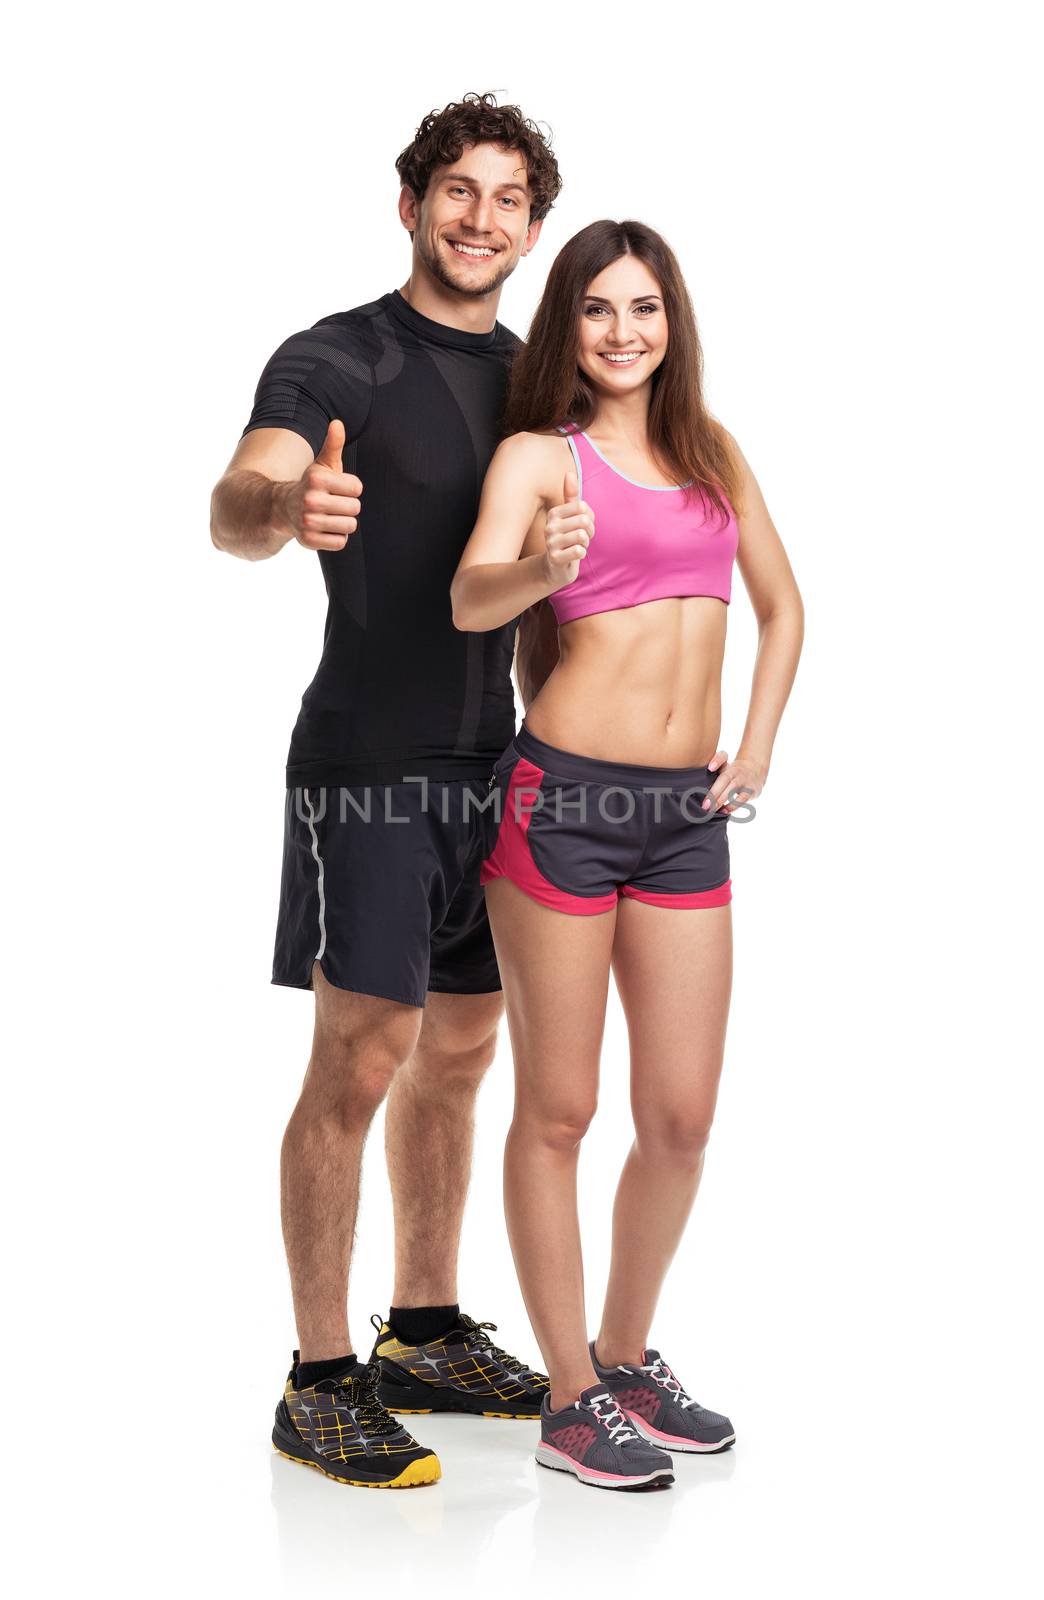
(480, 1337)
(358, 1392)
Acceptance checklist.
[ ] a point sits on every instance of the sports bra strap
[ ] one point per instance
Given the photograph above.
(572, 435)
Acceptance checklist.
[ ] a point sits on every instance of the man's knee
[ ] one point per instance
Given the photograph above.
(360, 1043)
(458, 1039)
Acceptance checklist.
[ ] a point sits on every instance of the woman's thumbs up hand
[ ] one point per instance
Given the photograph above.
(567, 533)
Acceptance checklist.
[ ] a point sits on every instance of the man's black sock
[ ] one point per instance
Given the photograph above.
(420, 1324)
(309, 1372)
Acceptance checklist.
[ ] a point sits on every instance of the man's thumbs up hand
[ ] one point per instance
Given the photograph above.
(322, 509)
(333, 447)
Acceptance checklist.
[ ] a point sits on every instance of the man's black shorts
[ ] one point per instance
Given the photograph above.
(381, 887)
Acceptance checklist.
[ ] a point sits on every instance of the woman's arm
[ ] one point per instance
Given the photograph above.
(491, 585)
(777, 605)
(494, 583)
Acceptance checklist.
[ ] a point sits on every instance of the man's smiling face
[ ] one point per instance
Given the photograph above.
(473, 224)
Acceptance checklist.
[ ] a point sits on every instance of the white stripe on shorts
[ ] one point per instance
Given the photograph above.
(321, 883)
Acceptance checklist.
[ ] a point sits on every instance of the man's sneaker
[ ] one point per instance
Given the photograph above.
(339, 1426)
(593, 1439)
(660, 1409)
(462, 1370)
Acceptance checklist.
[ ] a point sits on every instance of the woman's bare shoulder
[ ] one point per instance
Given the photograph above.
(536, 445)
(740, 464)
(540, 456)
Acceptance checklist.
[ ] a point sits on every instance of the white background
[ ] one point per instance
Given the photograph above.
(849, 192)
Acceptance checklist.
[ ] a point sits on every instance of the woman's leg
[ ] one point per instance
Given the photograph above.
(555, 970)
(673, 970)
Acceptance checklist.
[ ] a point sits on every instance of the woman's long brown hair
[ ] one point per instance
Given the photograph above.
(548, 388)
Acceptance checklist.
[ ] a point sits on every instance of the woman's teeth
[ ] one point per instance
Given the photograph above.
(621, 360)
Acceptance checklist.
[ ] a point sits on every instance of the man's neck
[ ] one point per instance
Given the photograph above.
(469, 313)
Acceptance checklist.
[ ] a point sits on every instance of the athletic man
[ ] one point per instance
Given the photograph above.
(368, 442)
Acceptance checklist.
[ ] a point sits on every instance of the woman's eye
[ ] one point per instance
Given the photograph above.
(593, 311)
(650, 309)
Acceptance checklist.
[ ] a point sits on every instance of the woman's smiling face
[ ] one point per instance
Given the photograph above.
(623, 327)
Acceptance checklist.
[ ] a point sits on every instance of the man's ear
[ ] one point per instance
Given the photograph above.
(532, 235)
(409, 207)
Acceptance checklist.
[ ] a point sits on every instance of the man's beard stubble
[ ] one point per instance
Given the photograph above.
(442, 275)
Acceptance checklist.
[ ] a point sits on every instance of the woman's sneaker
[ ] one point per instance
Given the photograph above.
(339, 1426)
(658, 1406)
(593, 1440)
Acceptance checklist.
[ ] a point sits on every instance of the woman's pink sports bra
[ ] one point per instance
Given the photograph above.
(650, 543)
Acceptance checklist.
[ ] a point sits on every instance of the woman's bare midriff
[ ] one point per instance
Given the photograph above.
(640, 686)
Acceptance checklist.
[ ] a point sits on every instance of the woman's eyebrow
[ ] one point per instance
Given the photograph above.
(639, 299)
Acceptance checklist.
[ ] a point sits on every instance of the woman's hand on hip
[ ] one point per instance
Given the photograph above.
(736, 782)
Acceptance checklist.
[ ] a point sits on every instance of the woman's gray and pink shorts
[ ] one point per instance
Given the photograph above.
(575, 833)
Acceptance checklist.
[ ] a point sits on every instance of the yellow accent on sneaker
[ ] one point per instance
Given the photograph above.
(426, 1470)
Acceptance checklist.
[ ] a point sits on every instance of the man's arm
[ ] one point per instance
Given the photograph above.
(272, 491)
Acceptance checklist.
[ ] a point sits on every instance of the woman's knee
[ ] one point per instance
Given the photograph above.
(679, 1134)
(559, 1127)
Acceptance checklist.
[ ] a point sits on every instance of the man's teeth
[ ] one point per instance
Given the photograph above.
(471, 249)
(620, 360)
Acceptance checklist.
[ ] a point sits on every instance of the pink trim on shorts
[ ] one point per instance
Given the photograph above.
(512, 858)
(703, 897)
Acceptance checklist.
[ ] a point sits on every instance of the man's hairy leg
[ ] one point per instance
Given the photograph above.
(429, 1125)
(360, 1043)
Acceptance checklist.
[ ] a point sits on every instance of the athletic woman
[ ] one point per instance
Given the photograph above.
(619, 499)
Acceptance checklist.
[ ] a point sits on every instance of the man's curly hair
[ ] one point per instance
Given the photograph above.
(444, 135)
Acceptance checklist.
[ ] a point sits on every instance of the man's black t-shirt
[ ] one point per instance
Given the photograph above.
(399, 691)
